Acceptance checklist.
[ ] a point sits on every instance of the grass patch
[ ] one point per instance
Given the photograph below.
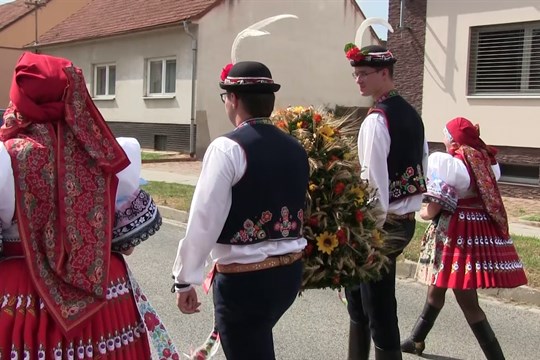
(528, 249)
(176, 196)
(149, 155)
(532, 217)
(412, 251)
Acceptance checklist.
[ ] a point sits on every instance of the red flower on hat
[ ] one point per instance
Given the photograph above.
(352, 52)
(225, 71)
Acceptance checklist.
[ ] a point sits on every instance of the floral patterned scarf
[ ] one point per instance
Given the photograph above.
(65, 160)
(479, 164)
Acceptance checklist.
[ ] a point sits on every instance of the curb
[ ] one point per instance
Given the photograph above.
(173, 214)
(406, 269)
(529, 223)
(157, 161)
(522, 294)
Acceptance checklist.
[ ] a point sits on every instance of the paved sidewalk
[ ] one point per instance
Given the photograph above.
(405, 268)
(168, 176)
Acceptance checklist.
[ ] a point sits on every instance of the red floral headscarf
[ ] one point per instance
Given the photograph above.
(479, 157)
(65, 160)
(464, 132)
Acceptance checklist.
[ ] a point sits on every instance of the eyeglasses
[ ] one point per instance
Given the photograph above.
(363, 75)
(223, 96)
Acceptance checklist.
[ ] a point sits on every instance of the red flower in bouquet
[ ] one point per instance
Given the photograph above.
(338, 189)
(342, 236)
(308, 249)
(281, 124)
(359, 215)
(313, 221)
(225, 71)
(317, 118)
(301, 124)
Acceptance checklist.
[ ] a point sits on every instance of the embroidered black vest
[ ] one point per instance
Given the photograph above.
(405, 171)
(268, 202)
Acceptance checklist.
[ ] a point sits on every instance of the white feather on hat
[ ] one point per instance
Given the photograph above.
(365, 25)
(255, 30)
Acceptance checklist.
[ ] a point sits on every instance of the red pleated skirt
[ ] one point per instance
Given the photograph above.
(471, 253)
(27, 331)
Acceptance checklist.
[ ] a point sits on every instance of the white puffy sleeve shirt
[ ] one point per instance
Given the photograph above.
(452, 171)
(373, 149)
(224, 164)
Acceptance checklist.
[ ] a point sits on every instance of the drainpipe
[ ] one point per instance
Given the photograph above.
(401, 15)
(192, 150)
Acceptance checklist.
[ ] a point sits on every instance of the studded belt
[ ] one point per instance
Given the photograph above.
(269, 262)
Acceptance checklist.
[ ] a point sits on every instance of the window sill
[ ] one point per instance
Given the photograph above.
(158, 97)
(104, 98)
(496, 97)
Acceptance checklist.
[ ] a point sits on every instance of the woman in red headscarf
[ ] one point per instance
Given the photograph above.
(70, 204)
(467, 245)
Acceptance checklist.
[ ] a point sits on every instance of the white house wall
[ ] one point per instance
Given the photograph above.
(129, 53)
(305, 56)
(503, 121)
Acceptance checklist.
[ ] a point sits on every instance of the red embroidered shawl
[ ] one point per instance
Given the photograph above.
(65, 160)
(479, 164)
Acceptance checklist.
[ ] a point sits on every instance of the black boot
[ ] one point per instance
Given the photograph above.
(415, 344)
(487, 340)
(381, 354)
(359, 341)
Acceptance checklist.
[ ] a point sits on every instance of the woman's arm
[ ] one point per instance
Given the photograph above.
(429, 211)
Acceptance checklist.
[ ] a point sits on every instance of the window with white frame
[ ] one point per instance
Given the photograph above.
(505, 59)
(104, 80)
(161, 77)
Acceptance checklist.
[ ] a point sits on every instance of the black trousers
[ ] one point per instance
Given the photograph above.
(248, 305)
(375, 302)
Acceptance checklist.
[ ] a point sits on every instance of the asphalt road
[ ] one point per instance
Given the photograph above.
(316, 326)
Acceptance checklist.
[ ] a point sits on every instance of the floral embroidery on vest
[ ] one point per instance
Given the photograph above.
(410, 182)
(285, 225)
(253, 230)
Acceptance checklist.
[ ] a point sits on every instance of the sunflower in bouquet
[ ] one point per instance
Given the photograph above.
(344, 245)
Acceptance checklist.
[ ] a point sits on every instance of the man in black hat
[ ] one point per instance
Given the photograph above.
(393, 151)
(247, 213)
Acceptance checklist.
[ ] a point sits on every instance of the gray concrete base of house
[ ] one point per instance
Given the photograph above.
(406, 270)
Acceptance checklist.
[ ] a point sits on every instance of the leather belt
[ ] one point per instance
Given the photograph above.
(394, 217)
(269, 262)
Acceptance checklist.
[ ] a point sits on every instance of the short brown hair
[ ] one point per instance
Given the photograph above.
(257, 104)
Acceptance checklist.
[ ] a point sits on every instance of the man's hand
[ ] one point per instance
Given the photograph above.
(128, 251)
(187, 301)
